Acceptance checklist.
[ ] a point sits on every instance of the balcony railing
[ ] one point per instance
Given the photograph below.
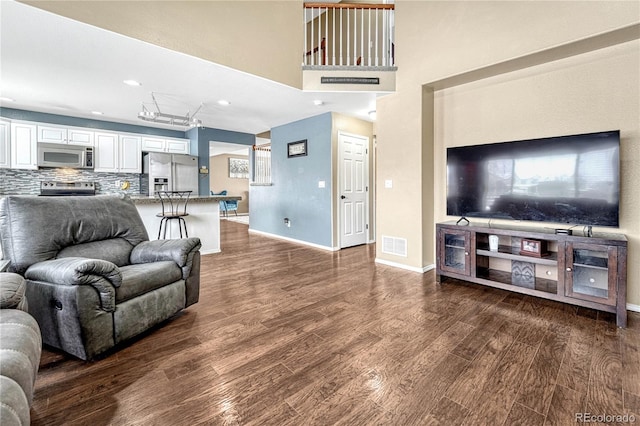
(340, 34)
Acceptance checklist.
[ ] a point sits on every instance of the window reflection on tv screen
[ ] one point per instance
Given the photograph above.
(568, 179)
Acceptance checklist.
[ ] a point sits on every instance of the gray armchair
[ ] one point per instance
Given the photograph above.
(93, 278)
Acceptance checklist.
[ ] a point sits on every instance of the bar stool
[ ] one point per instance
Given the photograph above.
(174, 206)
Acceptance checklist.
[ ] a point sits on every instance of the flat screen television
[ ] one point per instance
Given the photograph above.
(567, 179)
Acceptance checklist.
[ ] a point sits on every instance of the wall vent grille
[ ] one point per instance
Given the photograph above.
(394, 245)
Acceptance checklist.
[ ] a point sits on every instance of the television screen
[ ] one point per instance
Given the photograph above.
(567, 179)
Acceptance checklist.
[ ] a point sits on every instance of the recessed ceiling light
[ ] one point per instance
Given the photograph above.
(97, 112)
(318, 102)
(5, 99)
(224, 102)
(372, 115)
(132, 83)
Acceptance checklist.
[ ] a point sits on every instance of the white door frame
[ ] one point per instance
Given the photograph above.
(339, 185)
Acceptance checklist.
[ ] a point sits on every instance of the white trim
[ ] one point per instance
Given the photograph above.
(634, 308)
(407, 267)
(203, 252)
(292, 240)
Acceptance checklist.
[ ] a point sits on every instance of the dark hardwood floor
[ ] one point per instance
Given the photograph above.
(284, 334)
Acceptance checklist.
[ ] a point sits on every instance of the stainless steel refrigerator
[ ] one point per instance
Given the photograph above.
(169, 172)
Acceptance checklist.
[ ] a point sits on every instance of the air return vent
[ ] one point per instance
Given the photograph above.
(394, 245)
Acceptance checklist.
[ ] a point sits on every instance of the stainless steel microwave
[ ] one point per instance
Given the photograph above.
(58, 155)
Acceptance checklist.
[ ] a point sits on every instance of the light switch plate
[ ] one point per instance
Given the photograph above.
(321, 184)
(388, 183)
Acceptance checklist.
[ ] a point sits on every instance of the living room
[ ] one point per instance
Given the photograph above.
(589, 90)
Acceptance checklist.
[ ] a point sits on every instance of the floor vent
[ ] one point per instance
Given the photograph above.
(394, 245)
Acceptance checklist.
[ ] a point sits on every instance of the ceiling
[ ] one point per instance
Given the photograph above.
(52, 64)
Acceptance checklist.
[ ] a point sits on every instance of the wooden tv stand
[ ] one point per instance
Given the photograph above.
(576, 269)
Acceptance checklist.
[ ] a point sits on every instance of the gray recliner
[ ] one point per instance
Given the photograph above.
(20, 350)
(93, 277)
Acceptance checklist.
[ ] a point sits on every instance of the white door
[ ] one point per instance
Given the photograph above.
(353, 189)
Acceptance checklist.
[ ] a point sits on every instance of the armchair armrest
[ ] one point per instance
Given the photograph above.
(104, 276)
(180, 251)
(12, 288)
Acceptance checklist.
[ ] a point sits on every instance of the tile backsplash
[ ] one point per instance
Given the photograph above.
(21, 182)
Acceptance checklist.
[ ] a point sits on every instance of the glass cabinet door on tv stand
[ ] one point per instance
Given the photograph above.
(455, 245)
(591, 272)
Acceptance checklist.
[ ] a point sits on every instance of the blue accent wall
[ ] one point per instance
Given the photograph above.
(200, 138)
(295, 193)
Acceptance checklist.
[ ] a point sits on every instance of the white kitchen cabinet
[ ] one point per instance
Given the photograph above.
(24, 146)
(106, 152)
(52, 134)
(173, 146)
(176, 146)
(118, 153)
(150, 144)
(80, 137)
(130, 154)
(65, 135)
(5, 141)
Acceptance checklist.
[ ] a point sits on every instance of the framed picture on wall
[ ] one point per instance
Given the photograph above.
(239, 168)
(297, 149)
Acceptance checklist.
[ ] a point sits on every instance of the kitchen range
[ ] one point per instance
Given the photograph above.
(53, 188)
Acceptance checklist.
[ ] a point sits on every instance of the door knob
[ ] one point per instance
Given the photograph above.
(342, 197)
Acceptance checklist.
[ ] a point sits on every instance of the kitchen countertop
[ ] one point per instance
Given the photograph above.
(145, 199)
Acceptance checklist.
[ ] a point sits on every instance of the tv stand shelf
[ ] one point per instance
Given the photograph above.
(512, 253)
(579, 270)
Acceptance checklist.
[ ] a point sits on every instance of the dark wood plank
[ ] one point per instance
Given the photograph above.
(447, 412)
(540, 380)
(285, 334)
(630, 363)
(565, 405)
(523, 416)
(468, 387)
(632, 404)
(500, 389)
(604, 395)
(576, 364)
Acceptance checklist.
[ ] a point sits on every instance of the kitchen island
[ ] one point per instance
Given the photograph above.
(203, 220)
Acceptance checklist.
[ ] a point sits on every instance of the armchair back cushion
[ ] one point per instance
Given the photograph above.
(30, 233)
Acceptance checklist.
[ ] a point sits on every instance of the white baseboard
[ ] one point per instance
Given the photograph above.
(634, 308)
(209, 251)
(292, 240)
(408, 268)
